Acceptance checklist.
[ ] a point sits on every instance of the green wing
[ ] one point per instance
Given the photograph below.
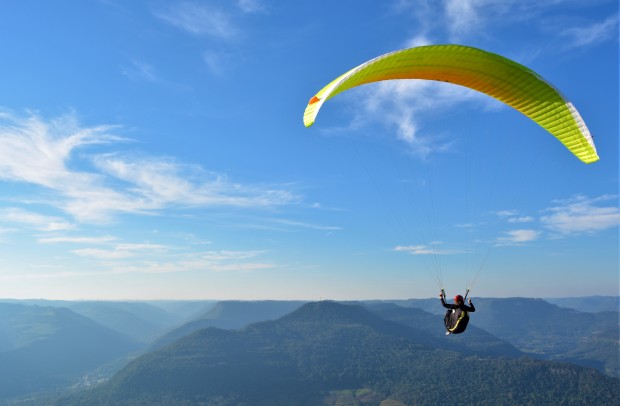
(491, 74)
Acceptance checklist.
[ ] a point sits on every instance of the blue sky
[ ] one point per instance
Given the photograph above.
(156, 150)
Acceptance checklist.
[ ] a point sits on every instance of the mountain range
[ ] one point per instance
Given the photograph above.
(45, 348)
(49, 347)
(327, 352)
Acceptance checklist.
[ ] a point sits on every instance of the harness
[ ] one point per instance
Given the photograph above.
(461, 322)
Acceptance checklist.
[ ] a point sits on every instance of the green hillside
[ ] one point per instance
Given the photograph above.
(329, 353)
(230, 314)
(546, 330)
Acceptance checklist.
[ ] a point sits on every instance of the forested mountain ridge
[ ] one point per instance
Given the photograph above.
(31, 334)
(141, 321)
(476, 341)
(230, 314)
(324, 351)
(548, 331)
(557, 333)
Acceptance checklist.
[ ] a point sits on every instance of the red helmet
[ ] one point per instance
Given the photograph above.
(458, 298)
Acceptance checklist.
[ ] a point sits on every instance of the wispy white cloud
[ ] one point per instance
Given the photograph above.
(513, 216)
(139, 70)
(119, 251)
(217, 62)
(574, 216)
(592, 34)
(462, 16)
(517, 237)
(42, 153)
(216, 22)
(102, 254)
(521, 219)
(251, 6)
(467, 18)
(106, 247)
(76, 240)
(418, 41)
(162, 182)
(312, 226)
(442, 21)
(430, 249)
(158, 258)
(145, 258)
(507, 213)
(465, 225)
(415, 249)
(36, 151)
(208, 19)
(404, 104)
(34, 220)
(4, 230)
(461, 20)
(199, 19)
(581, 214)
(214, 261)
(38, 276)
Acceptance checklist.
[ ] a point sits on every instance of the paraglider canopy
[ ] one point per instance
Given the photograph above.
(486, 72)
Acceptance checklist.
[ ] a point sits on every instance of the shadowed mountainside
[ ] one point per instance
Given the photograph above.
(325, 351)
(45, 348)
(230, 315)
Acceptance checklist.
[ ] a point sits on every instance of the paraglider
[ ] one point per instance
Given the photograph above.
(494, 75)
(486, 72)
(457, 316)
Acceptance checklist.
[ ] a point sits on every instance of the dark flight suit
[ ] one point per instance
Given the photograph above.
(457, 317)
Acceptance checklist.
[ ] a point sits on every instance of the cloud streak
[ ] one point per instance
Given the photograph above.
(37, 152)
(210, 261)
(592, 34)
(40, 153)
(425, 250)
(119, 251)
(76, 240)
(403, 105)
(575, 216)
(582, 215)
(199, 19)
(139, 70)
(34, 220)
(517, 237)
(217, 24)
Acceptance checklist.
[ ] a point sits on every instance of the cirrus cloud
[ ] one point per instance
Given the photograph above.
(42, 153)
(517, 237)
(430, 249)
(581, 214)
(199, 19)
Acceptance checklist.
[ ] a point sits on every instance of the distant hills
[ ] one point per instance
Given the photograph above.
(50, 346)
(47, 347)
(548, 331)
(333, 353)
(44, 348)
(552, 332)
(142, 321)
(476, 341)
(230, 315)
(589, 304)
